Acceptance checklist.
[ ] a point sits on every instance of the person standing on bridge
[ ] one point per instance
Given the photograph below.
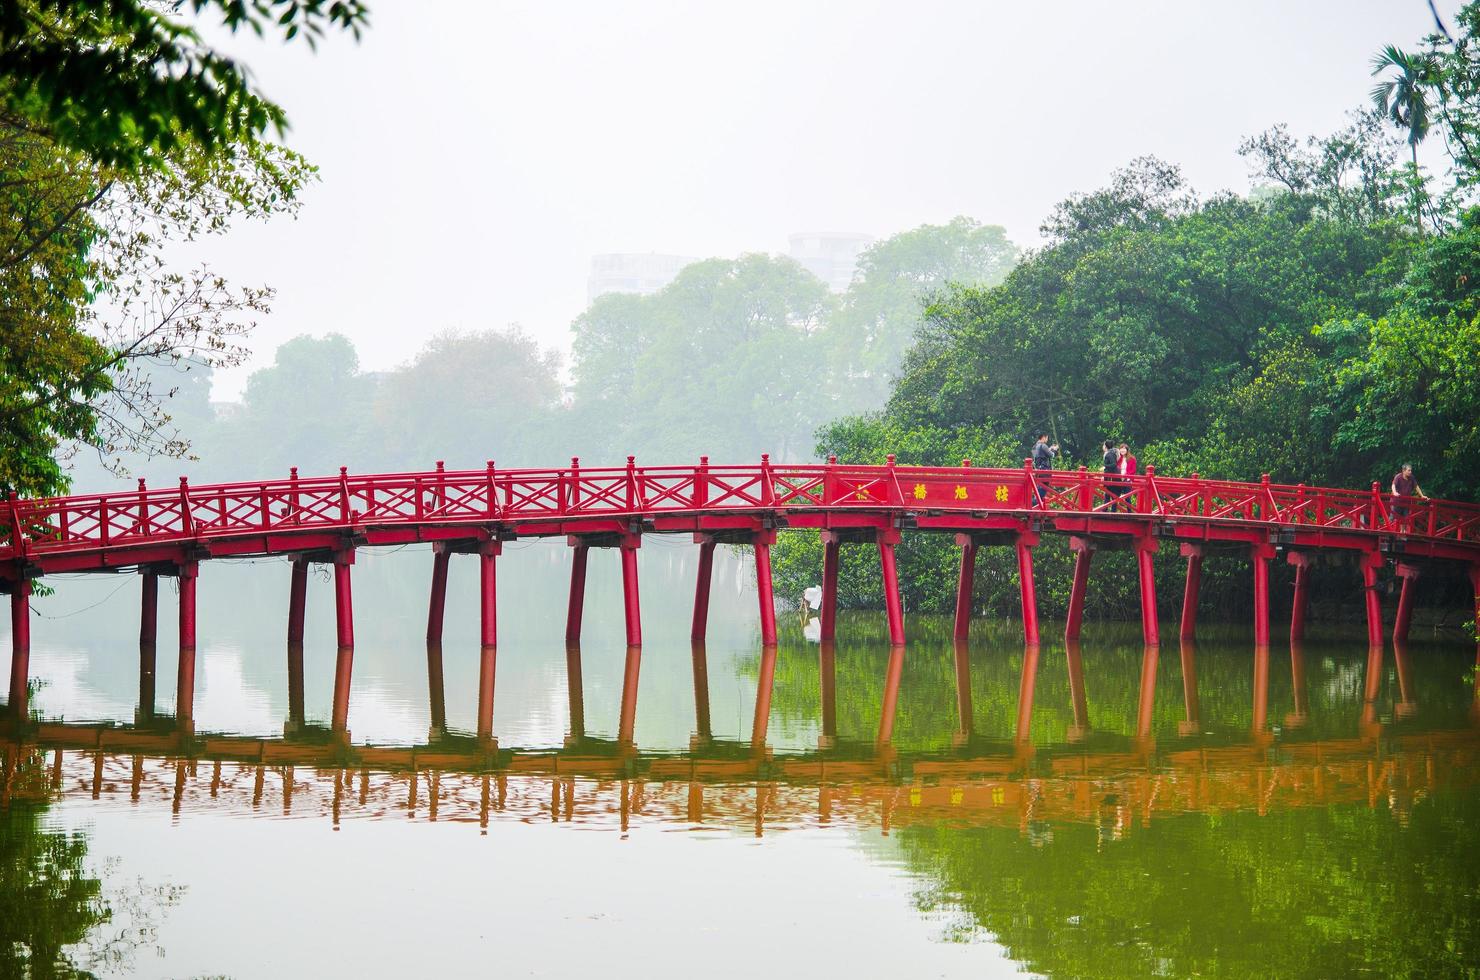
(1405, 487)
(1126, 467)
(1043, 455)
(1111, 462)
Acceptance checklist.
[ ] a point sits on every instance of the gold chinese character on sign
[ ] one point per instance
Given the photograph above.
(919, 491)
(1001, 494)
(860, 495)
(960, 493)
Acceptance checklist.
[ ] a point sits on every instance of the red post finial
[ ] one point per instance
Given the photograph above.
(1263, 477)
(832, 459)
(631, 460)
(703, 460)
(1151, 469)
(965, 462)
(490, 466)
(141, 484)
(889, 460)
(343, 471)
(1195, 476)
(575, 461)
(293, 472)
(184, 483)
(765, 457)
(440, 466)
(1027, 462)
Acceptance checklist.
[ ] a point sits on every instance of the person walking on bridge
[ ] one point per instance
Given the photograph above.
(1043, 455)
(1405, 487)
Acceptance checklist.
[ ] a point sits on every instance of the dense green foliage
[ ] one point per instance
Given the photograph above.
(129, 84)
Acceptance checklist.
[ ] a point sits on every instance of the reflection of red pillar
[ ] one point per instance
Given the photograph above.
(1373, 685)
(1370, 564)
(1191, 708)
(149, 610)
(764, 682)
(1148, 691)
(1083, 552)
(1078, 703)
(1260, 554)
(963, 689)
(890, 704)
(631, 607)
(1025, 543)
(965, 583)
(829, 612)
(295, 683)
(438, 601)
(20, 648)
(344, 664)
(297, 598)
(1404, 618)
(1406, 705)
(436, 692)
(828, 681)
(1261, 687)
(1297, 683)
(630, 670)
(487, 662)
(344, 603)
(763, 587)
(488, 593)
(892, 606)
(1301, 561)
(700, 660)
(1188, 626)
(185, 672)
(701, 590)
(1025, 692)
(574, 690)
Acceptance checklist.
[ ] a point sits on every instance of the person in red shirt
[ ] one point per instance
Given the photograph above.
(1405, 487)
(1127, 468)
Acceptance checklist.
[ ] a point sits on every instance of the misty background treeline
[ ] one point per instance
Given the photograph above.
(734, 358)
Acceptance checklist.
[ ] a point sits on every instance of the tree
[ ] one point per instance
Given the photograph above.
(129, 85)
(1404, 101)
(879, 314)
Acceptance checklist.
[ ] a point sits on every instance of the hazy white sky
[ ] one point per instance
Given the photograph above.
(475, 155)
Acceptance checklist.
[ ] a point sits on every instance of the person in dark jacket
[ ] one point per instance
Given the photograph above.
(1111, 462)
(1043, 455)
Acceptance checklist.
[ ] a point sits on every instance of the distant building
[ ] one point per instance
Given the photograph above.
(829, 255)
(642, 273)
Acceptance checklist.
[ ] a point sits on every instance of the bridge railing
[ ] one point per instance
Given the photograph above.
(120, 520)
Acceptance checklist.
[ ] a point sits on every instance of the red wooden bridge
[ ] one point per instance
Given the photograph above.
(170, 532)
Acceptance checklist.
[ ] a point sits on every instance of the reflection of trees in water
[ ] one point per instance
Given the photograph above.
(1336, 891)
(60, 917)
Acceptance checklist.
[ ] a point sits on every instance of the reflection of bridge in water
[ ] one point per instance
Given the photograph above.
(171, 532)
(729, 786)
(1109, 780)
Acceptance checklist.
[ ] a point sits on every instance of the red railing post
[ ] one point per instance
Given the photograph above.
(1034, 498)
(187, 520)
(896, 495)
(632, 497)
(768, 482)
(490, 490)
(1086, 490)
(441, 485)
(343, 495)
(701, 482)
(1376, 507)
(1199, 496)
(1267, 503)
(830, 481)
(143, 518)
(293, 493)
(1148, 504)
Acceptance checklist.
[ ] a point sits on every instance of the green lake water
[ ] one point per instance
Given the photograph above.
(936, 811)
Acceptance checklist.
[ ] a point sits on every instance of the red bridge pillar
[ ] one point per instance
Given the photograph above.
(1475, 586)
(297, 598)
(893, 609)
(762, 542)
(1298, 611)
(344, 625)
(20, 649)
(1371, 562)
(1194, 554)
(185, 673)
(702, 583)
(1025, 542)
(1145, 549)
(828, 614)
(149, 609)
(1260, 554)
(965, 585)
(1084, 550)
(488, 639)
(437, 603)
(631, 606)
(1409, 574)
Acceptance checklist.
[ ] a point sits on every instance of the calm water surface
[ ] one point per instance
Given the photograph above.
(937, 813)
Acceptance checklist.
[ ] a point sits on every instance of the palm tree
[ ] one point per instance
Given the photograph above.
(1404, 99)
